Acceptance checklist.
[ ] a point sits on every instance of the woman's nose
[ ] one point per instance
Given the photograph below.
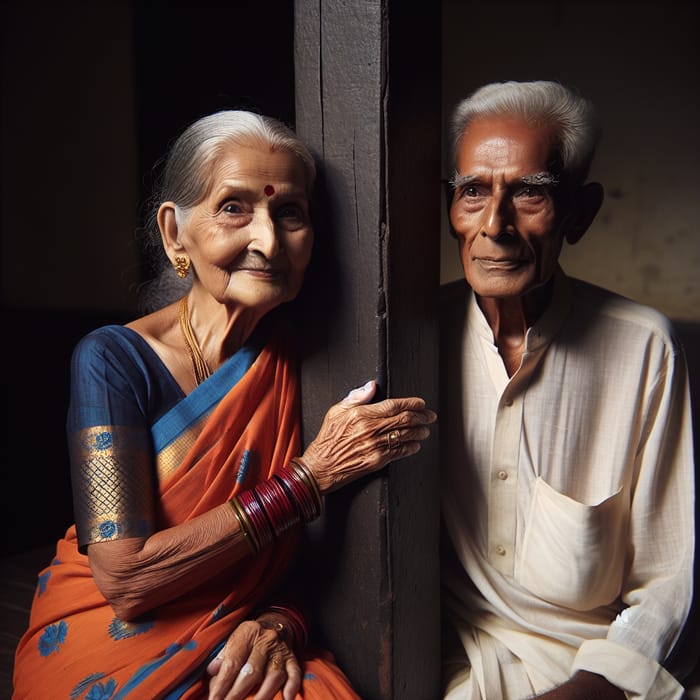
(263, 235)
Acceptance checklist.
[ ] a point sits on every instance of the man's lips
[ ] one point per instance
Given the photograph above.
(500, 263)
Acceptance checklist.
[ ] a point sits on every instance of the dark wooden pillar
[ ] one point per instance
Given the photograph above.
(368, 103)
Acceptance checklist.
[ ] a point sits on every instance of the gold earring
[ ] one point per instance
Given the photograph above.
(182, 265)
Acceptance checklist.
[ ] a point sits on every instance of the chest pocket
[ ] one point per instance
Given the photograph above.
(573, 554)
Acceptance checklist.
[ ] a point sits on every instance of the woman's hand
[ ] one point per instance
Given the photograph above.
(256, 656)
(357, 438)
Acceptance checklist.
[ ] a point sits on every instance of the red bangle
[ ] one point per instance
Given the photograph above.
(280, 509)
(309, 505)
(273, 506)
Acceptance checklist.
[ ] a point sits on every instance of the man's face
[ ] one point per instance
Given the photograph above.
(503, 208)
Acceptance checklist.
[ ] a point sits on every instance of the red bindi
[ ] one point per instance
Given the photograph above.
(269, 190)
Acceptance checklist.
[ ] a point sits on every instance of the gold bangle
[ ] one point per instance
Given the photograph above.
(245, 525)
(309, 480)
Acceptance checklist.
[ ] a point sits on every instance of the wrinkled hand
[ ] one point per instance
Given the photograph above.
(357, 438)
(254, 657)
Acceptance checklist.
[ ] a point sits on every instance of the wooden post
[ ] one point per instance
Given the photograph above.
(368, 104)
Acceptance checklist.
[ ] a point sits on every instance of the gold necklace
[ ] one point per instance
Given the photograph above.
(199, 364)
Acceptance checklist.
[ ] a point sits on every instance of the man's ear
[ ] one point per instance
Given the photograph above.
(167, 223)
(588, 201)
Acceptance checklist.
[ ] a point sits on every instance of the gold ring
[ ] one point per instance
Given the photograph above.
(392, 440)
(276, 662)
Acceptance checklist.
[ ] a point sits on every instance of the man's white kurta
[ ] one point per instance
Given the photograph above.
(567, 497)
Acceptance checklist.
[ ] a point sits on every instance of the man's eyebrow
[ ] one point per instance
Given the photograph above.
(458, 180)
(543, 178)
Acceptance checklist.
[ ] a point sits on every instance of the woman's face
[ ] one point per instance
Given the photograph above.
(250, 238)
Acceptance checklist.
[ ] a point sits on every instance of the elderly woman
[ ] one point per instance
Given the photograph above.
(189, 483)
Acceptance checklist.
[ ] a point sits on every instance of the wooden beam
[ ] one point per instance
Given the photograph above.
(368, 104)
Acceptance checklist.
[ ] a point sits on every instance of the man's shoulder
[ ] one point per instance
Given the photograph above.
(596, 301)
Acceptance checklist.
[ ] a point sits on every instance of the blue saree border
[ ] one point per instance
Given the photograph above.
(201, 401)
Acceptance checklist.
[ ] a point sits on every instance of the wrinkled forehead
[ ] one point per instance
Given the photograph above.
(501, 142)
(261, 165)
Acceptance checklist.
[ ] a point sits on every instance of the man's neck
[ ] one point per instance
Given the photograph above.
(510, 318)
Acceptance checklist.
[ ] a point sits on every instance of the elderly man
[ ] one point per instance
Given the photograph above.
(568, 476)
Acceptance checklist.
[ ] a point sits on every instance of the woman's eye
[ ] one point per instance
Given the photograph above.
(233, 208)
(290, 211)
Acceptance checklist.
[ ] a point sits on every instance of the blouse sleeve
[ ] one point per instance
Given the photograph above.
(111, 455)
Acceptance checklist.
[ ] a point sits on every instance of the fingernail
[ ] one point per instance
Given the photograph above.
(368, 385)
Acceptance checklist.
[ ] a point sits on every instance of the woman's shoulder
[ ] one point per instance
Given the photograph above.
(115, 361)
(114, 351)
(110, 339)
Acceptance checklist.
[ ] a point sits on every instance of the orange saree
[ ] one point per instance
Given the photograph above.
(238, 427)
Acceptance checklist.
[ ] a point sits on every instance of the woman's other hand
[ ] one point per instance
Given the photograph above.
(358, 437)
(255, 657)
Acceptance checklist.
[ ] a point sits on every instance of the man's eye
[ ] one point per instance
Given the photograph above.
(469, 191)
(531, 192)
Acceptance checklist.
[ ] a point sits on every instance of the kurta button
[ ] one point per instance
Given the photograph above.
(502, 474)
(500, 549)
(508, 402)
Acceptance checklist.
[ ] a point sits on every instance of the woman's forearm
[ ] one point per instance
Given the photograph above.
(136, 575)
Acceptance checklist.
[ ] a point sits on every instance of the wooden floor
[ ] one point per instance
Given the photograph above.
(18, 574)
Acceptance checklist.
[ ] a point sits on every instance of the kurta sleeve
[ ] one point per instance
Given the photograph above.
(658, 587)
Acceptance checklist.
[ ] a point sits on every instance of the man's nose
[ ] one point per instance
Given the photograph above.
(497, 217)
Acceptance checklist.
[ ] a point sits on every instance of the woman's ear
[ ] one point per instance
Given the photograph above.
(586, 205)
(169, 232)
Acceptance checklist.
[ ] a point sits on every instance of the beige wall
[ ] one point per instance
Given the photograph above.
(638, 62)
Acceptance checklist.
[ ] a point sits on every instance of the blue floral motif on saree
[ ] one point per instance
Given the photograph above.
(81, 687)
(53, 638)
(102, 691)
(118, 629)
